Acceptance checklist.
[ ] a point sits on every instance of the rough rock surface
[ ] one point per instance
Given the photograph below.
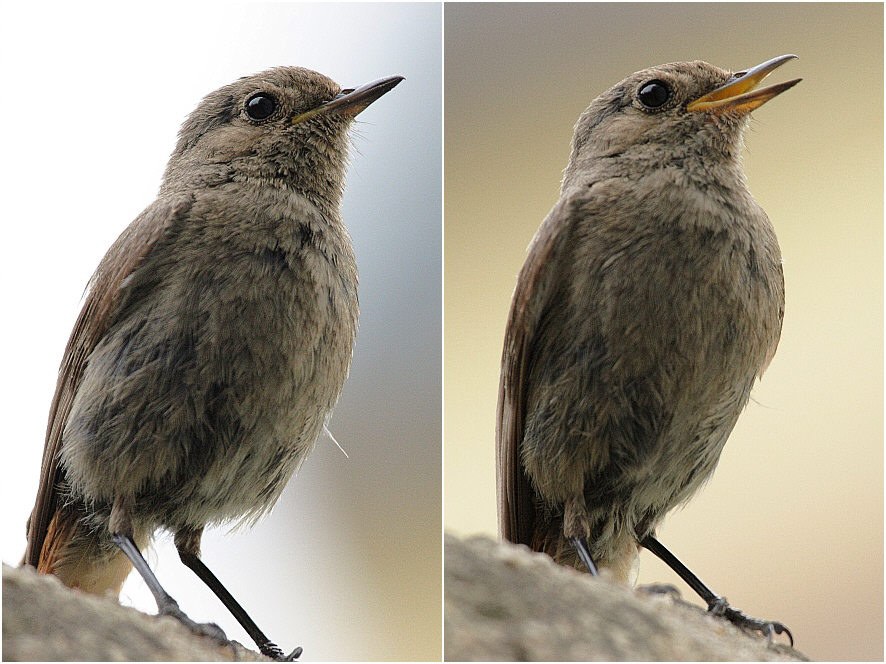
(45, 621)
(505, 603)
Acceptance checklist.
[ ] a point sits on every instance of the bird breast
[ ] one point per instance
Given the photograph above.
(214, 383)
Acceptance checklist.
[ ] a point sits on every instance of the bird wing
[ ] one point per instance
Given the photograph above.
(779, 295)
(106, 290)
(535, 285)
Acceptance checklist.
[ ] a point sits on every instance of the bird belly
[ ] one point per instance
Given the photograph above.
(212, 408)
(631, 413)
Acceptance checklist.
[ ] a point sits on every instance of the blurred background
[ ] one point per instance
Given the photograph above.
(791, 526)
(348, 564)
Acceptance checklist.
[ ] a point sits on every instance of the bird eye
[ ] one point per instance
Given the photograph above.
(260, 106)
(654, 94)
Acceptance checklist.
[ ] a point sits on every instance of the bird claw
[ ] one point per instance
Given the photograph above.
(661, 589)
(272, 651)
(720, 607)
(211, 630)
(294, 655)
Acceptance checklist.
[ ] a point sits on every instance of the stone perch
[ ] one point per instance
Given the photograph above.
(44, 620)
(506, 603)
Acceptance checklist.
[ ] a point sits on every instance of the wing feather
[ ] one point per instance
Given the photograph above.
(102, 301)
(535, 286)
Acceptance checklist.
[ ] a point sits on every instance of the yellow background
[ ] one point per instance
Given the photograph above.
(791, 526)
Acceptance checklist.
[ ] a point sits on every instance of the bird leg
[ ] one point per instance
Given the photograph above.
(717, 605)
(577, 530)
(581, 548)
(187, 542)
(121, 534)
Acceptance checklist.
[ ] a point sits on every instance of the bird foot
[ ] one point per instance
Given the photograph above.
(211, 630)
(660, 589)
(272, 651)
(720, 607)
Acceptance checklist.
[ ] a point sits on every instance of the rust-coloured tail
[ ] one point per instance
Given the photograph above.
(74, 555)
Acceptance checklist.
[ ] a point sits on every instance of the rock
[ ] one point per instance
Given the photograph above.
(43, 620)
(506, 603)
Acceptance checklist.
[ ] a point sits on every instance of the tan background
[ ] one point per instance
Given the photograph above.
(791, 527)
(348, 564)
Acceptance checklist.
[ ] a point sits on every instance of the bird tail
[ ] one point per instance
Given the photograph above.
(74, 554)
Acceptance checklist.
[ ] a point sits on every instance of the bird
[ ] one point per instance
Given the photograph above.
(213, 342)
(650, 301)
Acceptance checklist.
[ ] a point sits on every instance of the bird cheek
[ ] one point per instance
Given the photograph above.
(232, 142)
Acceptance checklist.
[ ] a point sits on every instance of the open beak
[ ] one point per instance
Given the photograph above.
(352, 101)
(739, 95)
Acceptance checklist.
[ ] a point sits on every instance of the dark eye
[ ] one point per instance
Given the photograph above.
(260, 106)
(654, 94)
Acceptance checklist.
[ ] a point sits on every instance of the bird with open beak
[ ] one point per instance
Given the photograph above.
(651, 300)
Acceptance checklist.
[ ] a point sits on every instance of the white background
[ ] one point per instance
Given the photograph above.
(348, 565)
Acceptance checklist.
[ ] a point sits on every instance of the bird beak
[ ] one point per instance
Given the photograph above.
(350, 102)
(738, 94)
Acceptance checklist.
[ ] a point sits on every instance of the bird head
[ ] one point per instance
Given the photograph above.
(670, 113)
(285, 127)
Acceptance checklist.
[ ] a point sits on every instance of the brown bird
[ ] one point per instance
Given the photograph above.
(651, 299)
(213, 343)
